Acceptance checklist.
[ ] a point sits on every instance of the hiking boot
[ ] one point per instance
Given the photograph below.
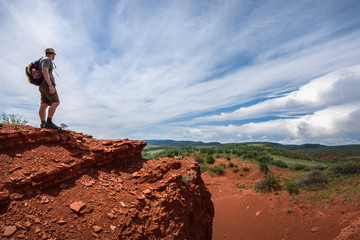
(51, 125)
(42, 125)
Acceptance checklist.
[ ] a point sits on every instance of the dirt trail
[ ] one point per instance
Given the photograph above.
(249, 215)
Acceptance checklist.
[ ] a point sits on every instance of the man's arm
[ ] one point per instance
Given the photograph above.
(45, 72)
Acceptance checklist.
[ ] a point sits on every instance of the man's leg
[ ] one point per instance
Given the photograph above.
(51, 112)
(52, 109)
(42, 111)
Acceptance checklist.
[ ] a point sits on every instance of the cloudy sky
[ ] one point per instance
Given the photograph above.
(228, 71)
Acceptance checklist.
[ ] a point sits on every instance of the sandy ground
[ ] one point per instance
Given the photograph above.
(245, 214)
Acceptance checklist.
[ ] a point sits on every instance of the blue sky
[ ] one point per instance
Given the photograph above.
(228, 71)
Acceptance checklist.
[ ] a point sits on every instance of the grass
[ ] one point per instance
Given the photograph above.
(292, 161)
(348, 187)
(324, 179)
(240, 186)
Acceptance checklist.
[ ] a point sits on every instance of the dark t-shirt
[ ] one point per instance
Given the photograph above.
(46, 62)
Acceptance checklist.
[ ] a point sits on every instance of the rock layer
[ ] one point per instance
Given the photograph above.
(45, 174)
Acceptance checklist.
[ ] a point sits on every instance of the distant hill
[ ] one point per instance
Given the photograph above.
(174, 143)
(308, 147)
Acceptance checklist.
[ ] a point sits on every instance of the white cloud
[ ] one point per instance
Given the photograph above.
(335, 88)
(328, 126)
(131, 67)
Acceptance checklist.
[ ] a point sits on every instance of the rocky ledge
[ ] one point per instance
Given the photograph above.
(67, 185)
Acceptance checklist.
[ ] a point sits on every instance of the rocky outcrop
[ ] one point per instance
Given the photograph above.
(67, 185)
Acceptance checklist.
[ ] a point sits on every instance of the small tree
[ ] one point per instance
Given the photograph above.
(13, 119)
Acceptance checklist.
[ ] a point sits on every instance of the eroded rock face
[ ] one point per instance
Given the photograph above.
(45, 174)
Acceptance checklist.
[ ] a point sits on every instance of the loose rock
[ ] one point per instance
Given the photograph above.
(314, 229)
(76, 206)
(96, 229)
(9, 230)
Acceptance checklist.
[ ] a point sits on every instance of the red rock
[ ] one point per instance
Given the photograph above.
(96, 229)
(147, 191)
(314, 229)
(140, 197)
(9, 230)
(111, 215)
(27, 224)
(37, 230)
(61, 221)
(89, 183)
(135, 175)
(76, 206)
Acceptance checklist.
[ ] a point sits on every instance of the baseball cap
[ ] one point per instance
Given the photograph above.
(50, 50)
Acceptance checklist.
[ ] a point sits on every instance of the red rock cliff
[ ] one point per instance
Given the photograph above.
(66, 185)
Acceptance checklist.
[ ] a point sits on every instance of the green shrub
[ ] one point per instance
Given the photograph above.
(314, 180)
(13, 119)
(301, 167)
(264, 167)
(210, 159)
(345, 168)
(319, 167)
(240, 186)
(218, 169)
(231, 165)
(291, 187)
(270, 182)
(198, 158)
(279, 163)
(246, 169)
(235, 170)
(260, 186)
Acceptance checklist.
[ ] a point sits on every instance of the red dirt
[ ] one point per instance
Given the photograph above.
(66, 185)
(245, 214)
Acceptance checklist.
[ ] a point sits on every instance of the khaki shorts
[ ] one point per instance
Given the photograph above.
(46, 97)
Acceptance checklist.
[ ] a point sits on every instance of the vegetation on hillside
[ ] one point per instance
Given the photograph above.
(309, 173)
(12, 119)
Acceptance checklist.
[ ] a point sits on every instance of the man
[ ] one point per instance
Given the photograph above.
(49, 96)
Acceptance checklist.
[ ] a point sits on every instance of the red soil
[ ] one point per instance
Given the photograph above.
(66, 185)
(245, 214)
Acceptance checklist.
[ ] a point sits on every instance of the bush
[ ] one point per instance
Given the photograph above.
(264, 167)
(218, 169)
(291, 187)
(345, 168)
(13, 119)
(260, 186)
(279, 163)
(319, 167)
(314, 180)
(270, 182)
(235, 170)
(210, 159)
(198, 158)
(246, 169)
(231, 165)
(299, 167)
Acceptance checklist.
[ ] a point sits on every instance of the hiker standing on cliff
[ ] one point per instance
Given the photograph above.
(49, 95)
